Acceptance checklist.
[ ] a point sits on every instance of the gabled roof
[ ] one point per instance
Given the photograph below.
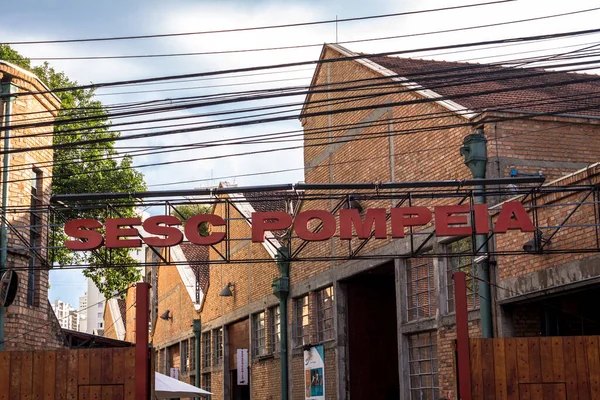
(118, 312)
(249, 202)
(191, 261)
(197, 257)
(470, 89)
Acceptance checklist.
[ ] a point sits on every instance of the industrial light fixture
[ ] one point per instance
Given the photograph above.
(166, 316)
(535, 245)
(354, 204)
(226, 291)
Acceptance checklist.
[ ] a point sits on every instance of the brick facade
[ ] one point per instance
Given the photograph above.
(417, 149)
(417, 322)
(29, 321)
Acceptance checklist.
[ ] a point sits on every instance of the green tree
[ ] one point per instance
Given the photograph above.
(185, 211)
(85, 169)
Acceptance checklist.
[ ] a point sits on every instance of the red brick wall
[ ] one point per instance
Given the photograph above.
(29, 327)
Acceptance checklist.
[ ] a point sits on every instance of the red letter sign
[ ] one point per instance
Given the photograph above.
(192, 226)
(444, 219)
(173, 235)
(408, 216)
(114, 232)
(278, 220)
(521, 220)
(80, 229)
(351, 217)
(302, 220)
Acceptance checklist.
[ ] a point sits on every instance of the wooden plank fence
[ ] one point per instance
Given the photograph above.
(83, 374)
(536, 368)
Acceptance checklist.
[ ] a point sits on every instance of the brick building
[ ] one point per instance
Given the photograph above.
(394, 319)
(29, 322)
(387, 324)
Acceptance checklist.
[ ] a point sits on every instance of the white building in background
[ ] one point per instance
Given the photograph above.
(91, 310)
(67, 316)
(82, 313)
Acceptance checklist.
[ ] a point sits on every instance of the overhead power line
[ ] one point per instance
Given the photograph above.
(255, 28)
(211, 100)
(352, 139)
(301, 46)
(579, 79)
(310, 62)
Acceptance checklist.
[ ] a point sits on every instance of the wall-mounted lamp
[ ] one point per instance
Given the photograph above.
(166, 316)
(354, 204)
(226, 291)
(535, 245)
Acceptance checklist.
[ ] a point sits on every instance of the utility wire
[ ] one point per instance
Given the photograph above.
(276, 93)
(265, 27)
(295, 47)
(296, 135)
(581, 79)
(352, 139)
(310, 62)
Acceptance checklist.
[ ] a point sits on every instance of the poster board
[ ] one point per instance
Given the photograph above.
(314, 373)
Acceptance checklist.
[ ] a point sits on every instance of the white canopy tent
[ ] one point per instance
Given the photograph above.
(166, 387)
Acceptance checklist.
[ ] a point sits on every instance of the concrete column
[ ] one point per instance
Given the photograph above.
(226, 366)
(340, 322)
(400, 280)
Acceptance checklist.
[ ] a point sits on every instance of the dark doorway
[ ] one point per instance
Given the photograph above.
(239, 338)
(568, 314)
(373, 335)
(238, 392)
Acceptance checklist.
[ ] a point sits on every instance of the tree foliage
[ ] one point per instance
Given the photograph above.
(86, 169)
(185, 211)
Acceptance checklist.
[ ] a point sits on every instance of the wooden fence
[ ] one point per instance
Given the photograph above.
(68, 374)
(548, 368)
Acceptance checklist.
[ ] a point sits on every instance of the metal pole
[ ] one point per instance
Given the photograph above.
(281, 289)
(197, 329)
(142, 361)
(6, 88)
(462, 335)
(483, 272)
(474, 150)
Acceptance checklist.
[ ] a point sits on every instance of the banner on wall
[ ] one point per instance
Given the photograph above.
(314, 373)
(242, 366)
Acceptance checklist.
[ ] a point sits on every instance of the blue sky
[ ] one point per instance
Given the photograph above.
(53, 19)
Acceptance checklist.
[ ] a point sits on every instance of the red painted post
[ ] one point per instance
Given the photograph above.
(142, 359)
(462, 335)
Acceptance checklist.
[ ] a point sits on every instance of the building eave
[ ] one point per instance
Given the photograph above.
(450, 105)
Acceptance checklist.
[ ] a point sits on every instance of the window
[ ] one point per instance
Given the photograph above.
(35, 237)
(100, 305)
(301, 325)
(423, 366)
(206, 382)
(420, 289)
(325, 310)
(258, 335)
(218, 346)
(192, 355)
(463, 263)
(274, 328)
(206, 349)
(100, 315)
(100, 324)
(184, 356)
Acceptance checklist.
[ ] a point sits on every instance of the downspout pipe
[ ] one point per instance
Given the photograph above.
(281, 289)
(474, 150)
(197, 329)
(6, 88)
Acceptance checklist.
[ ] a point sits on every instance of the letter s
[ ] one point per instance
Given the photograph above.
(83, 229)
